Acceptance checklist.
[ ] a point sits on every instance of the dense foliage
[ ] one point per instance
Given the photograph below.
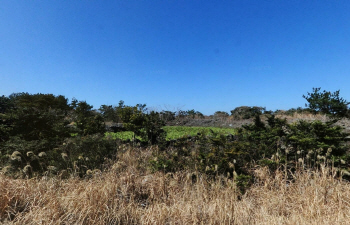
(246, 112)
(275, 144)
(43, 134)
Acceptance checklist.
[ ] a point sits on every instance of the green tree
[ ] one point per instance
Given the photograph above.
(108, 113)
(326, 102)
(88, 121)
(153, 126)
(34, 117)
(132, 118)
(221, 114)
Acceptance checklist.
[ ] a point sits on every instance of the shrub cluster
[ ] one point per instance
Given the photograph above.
(43, 134)
(275, 144)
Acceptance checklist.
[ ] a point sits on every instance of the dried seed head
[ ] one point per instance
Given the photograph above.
(81, 157)
(329, 150)
(342, 161)
(16, 158)
(89, 172)
(231, 165)
(27, 169)
(42, 154)
(216, 167)
(300, 160)
(345, 172)
(298, 152)
(234, 174)
(64, 156)
(16, 153)
(30, 153)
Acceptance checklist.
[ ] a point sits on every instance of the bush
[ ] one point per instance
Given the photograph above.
(246, 112)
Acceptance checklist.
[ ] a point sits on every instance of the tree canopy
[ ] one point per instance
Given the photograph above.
(326, 102)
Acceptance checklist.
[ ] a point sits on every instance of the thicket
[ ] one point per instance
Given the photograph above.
(275, 145)
(38, 132)
(43, 134)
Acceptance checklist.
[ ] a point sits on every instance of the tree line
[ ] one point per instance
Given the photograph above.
(44, 131)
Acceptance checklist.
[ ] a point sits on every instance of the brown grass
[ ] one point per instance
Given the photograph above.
(129, 194)
(303, 116)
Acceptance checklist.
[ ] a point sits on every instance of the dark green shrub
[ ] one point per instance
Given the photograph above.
(153, 131)
(89, 152)
(246, 112)
(88, 121)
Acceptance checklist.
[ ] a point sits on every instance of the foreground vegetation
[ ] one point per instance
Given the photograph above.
(128, 193)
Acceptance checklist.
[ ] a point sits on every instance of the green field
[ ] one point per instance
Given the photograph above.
(175, 132)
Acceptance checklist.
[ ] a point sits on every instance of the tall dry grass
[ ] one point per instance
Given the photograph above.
(129, 194)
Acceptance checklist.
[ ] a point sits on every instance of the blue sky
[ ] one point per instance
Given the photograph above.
(176, 54)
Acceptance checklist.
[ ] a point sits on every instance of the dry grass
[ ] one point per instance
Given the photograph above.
(129, 194)
(304, 116)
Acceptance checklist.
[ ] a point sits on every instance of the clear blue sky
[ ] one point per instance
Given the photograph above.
(176, 54)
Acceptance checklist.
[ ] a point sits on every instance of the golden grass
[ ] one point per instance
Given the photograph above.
(128, 194)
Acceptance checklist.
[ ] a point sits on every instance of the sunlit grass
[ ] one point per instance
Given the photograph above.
(123, 135)
(175, 132)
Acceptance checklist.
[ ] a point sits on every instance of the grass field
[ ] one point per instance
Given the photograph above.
(175, 132)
